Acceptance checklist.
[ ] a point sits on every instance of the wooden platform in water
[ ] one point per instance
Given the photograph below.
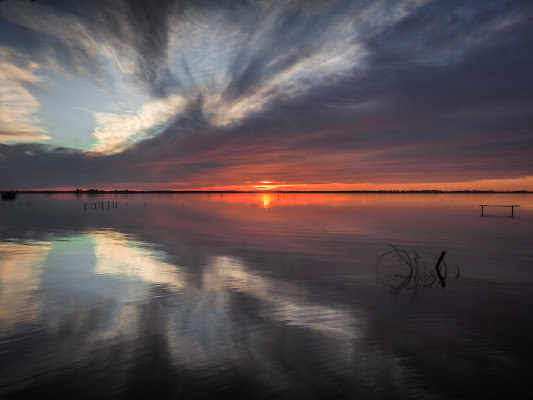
(498, 205)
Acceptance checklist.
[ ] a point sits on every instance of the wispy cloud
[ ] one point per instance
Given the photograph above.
(60, 41)
(115, 131)
(18, 108)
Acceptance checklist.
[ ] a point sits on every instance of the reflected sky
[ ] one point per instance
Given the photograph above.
(219, 296)
(20, 276)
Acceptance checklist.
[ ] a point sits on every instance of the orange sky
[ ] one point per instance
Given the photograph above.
(525, 183)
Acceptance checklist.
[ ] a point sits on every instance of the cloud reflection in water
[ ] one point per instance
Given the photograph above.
(20, 278)
(215, 293)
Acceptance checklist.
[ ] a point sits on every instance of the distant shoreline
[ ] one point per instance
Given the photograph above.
(95, 191)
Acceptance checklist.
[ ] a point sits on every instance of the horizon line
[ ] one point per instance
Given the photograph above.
(166, 191)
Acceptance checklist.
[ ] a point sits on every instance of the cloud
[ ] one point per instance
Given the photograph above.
(59, 40)
(302, 92)
(103, 40)
(231, 71)
(18, 108)
(115, 131)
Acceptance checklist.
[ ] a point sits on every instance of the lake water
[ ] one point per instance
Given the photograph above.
(266, 296)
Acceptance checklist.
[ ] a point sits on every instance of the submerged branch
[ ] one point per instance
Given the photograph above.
(400, 271)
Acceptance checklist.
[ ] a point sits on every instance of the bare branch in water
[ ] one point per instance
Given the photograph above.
(401, 270)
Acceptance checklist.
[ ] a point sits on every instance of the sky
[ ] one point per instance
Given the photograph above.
(284, 95)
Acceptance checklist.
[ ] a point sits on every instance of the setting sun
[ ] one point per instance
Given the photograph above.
(270, 185)
(265, 185)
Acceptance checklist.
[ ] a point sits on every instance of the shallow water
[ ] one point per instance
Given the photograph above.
(265, 296)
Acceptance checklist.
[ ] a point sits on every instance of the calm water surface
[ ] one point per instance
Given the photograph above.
(266, 296)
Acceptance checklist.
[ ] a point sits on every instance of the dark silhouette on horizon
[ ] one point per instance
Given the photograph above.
(164, 191)
(9, 195)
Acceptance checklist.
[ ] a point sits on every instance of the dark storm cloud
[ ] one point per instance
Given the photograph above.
(454, 57)
(444, 93)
